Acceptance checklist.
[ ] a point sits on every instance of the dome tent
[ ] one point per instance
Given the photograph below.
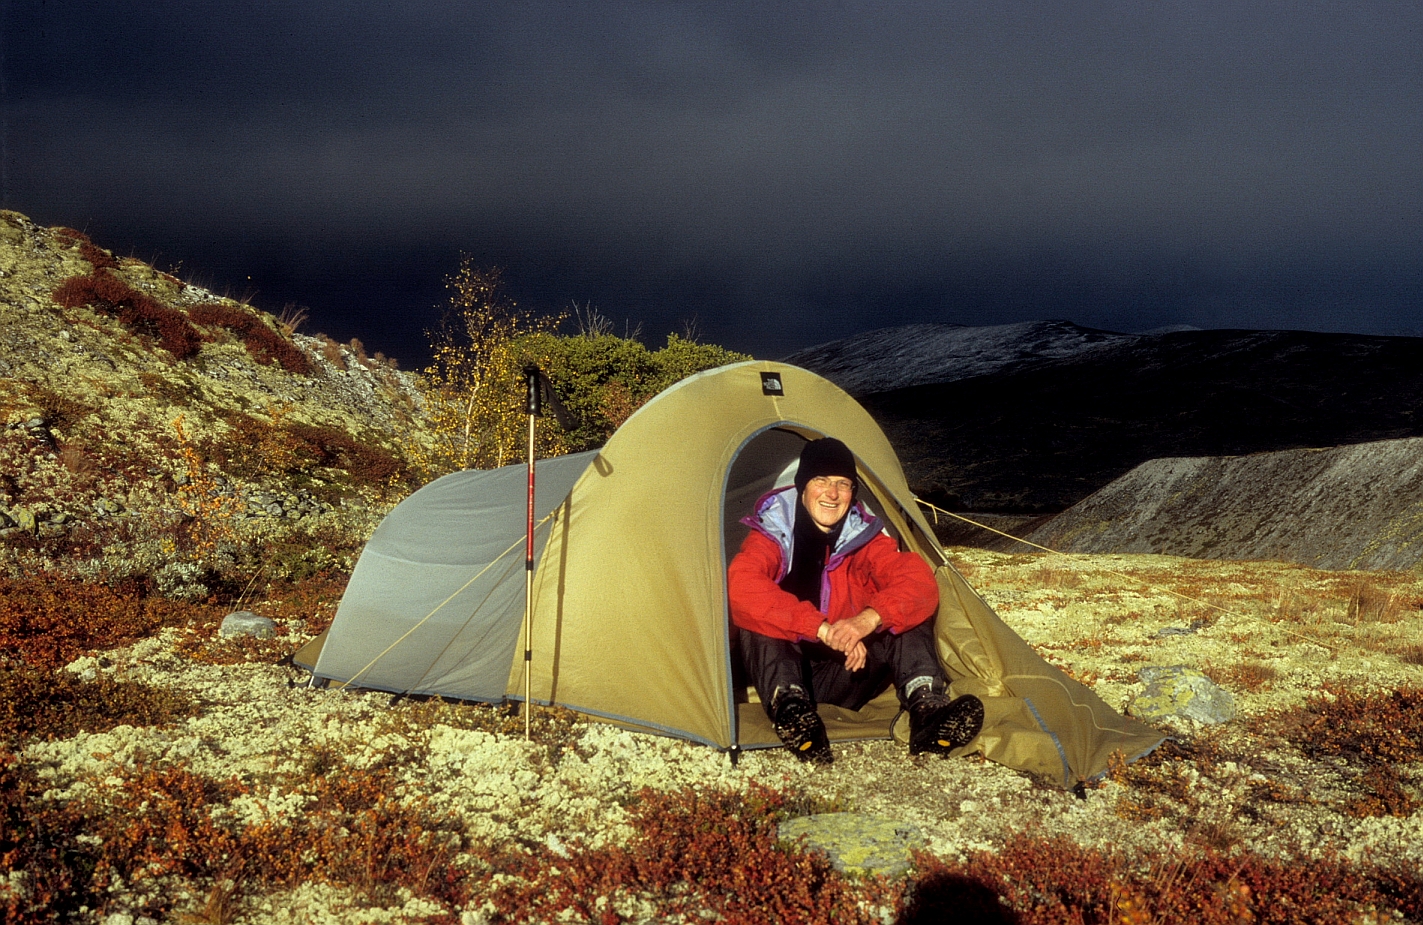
(630, 619)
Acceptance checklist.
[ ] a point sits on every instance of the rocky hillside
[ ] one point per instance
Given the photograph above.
(149, 426)
(1349, 507)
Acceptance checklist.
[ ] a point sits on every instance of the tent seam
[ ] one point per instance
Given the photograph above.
(1057, 743)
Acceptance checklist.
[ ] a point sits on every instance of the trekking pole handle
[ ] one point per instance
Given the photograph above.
(532, 402)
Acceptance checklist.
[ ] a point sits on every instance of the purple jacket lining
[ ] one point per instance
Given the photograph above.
(869, 528)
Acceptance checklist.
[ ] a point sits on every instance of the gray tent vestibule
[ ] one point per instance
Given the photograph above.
(630, 618)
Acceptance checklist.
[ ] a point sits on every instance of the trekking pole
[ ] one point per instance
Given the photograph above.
(531, 375)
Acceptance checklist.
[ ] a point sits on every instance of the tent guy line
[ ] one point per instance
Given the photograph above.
(423, 620)
(1145, 584)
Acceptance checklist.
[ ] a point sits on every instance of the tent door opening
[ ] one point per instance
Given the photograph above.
(768, 461)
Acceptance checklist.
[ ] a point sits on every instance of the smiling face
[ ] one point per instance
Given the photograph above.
(827, 500)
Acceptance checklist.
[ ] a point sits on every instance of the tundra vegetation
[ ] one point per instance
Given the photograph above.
(151, 770)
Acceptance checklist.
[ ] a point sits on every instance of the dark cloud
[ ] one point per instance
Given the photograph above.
(785, 172)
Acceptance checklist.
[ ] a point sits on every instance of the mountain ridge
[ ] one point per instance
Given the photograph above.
(886, 359)
(1036, 436)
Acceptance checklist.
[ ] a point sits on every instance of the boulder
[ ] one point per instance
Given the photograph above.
(25, 519)
(247, 623)
(1185, 692)
(1182, 630)
(856, 843)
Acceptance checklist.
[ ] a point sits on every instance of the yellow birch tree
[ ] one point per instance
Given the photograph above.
(474, 386)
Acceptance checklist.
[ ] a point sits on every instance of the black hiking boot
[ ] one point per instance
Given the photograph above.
(938, 724)
(800, 727)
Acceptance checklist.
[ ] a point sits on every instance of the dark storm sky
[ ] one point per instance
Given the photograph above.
(786, 172)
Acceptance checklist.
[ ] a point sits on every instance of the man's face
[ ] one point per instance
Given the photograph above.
(827, 499)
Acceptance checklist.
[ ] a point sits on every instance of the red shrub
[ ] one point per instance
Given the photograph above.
(1370, 728)
(47, 622)
(139, 313)
(98, 257)
(366, 837)
(355, 831)
(159, 823)
(1376, 732)
(367, 465)
(261, 341)
(693, 851)
(255, 449)
(40, 841)
(1056, 882)
(58, 704)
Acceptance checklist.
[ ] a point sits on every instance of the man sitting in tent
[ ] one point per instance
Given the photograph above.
(831, 611)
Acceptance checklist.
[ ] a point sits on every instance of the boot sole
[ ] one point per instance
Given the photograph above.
(959, 724)
(804, 734)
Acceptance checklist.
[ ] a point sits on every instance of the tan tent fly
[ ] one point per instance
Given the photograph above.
(630, 618)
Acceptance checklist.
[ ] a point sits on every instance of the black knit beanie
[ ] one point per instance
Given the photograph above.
(826, 456)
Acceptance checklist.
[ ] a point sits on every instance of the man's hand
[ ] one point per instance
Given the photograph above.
(847, 635)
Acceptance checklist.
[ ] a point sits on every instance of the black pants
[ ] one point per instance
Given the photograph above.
(820, 670)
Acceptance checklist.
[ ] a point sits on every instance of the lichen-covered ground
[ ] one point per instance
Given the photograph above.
(263, 753)
(251, 449)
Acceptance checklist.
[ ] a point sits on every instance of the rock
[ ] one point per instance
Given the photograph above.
(247, 623)
(856, 843)
(25, 519)
(1345, 507)
(105, 506)
(37, 429)
(6, 522)
(1182, 630)
(1181, 691)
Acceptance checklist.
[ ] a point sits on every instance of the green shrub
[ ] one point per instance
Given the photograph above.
(603, 378)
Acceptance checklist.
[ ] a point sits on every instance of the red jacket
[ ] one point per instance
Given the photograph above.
(899, 585)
